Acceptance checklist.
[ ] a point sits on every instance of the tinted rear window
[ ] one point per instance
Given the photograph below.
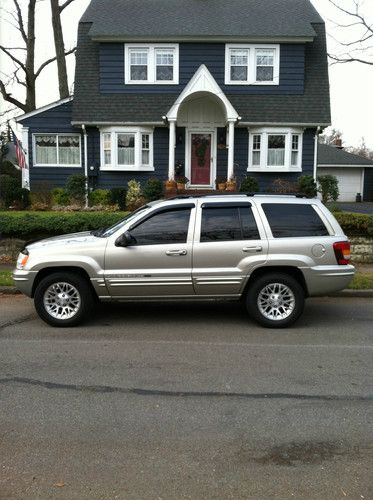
(227, 224)
(292, 220)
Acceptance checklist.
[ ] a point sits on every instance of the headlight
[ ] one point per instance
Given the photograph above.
(22, 259)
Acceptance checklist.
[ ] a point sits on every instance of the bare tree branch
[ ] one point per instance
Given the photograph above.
(52, 59)
(20, 21)
(13, 58)
(65, 4)
(8, 97)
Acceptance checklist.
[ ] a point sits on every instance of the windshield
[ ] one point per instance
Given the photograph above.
(105, 233)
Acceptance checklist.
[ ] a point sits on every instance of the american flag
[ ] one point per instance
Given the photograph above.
(20, 154)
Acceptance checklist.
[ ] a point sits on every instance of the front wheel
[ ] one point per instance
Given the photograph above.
(63, 299)
(275, 300)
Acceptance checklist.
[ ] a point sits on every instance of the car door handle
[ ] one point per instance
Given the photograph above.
(173, 253)
(252, 249)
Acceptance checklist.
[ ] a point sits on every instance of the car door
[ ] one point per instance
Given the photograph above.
(229, 243)
(159, 262)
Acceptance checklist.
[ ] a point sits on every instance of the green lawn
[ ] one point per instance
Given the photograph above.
(361, 281)
(6, 278)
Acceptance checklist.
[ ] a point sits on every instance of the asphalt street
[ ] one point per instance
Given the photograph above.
(187, 400)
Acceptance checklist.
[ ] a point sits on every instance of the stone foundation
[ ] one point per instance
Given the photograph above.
(362, 249)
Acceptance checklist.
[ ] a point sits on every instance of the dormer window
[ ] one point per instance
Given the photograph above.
(151, 64)
(252, 64)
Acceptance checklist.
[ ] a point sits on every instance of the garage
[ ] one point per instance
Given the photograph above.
(354, 173)
(350, 181)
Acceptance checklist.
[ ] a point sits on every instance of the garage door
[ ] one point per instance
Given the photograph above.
(349, 181)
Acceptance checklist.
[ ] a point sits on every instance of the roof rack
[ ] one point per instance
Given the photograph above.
(234, 193)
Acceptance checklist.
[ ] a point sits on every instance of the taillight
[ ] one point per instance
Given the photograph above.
(342, 252)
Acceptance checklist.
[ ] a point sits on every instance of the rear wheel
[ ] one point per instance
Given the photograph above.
(63, 299)
(275, 300)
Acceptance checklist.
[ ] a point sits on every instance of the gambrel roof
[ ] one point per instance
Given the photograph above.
(197, 19)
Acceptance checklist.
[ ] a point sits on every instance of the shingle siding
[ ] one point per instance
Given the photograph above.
(191, 56)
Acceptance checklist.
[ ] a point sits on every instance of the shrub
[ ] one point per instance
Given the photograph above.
(60, 197)
(9, 188)
(28, 225)
(75, 187)
(355, 224)
(41, 195)
(100, 197)
(249, 185)
(134, 198)
(307, 186)
(118, 197)
(282, 186)
(328, 187)
(153, 189)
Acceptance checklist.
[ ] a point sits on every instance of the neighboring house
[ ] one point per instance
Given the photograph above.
(224, 88)
(354, 173)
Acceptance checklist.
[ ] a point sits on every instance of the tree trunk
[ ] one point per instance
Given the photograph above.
(60, 49)
(30, 58)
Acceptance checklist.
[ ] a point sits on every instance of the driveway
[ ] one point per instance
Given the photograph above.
(187, 401)
(362, 208)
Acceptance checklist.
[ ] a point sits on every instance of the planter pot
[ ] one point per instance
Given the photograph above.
(221, 186)
(231, 186)
(180, 186)
(170, 186)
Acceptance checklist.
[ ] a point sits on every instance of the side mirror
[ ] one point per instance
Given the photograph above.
(125, 240)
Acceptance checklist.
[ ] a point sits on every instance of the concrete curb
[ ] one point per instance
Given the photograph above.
(12, 290)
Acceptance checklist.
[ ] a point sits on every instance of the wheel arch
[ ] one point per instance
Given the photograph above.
(46, 271)
(292, 271)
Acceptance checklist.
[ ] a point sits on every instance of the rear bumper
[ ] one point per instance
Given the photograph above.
(24, 281)
(321, 280)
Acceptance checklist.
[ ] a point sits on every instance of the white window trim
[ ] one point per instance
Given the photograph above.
(151, 49)
(264, 132)
(251, 73)
(137, 167)
(34, 164)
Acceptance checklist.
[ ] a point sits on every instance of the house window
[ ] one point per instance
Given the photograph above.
(57, 150)
(275, 150)
(124, 148)
(138, 64)
(252, 64)
(265, 60)
(150, 64)
(239, 59)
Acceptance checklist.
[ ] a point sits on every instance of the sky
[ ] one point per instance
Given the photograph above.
(351, 84)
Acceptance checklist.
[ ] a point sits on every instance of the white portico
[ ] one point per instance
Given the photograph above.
(201, 108)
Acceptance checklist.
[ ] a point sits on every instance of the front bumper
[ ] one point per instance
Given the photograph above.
(321, 280)
(24, 280)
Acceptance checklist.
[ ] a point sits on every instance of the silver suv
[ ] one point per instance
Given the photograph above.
(270, 251)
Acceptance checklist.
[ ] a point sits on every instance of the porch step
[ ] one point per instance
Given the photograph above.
(191, 192)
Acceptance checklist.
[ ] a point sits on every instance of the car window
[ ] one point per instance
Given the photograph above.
(164, 227)
(227, 224)
(293, 220)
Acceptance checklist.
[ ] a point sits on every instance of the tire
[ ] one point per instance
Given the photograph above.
(64, 299)
(275, 300)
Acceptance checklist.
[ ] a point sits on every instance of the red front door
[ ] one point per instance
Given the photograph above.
(201, 159)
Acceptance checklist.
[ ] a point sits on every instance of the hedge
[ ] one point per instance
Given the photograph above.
(27, 225)
(355, 224)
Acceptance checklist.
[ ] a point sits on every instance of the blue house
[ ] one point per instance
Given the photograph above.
(225, 89)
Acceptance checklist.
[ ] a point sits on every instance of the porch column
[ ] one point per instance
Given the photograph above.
(230, 172)
(171, 150)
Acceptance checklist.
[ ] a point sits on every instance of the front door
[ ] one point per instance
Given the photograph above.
(200, 159)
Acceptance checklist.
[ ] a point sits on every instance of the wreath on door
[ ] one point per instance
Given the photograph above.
(200, 146)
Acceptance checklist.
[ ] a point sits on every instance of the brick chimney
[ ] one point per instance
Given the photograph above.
(338, 143)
